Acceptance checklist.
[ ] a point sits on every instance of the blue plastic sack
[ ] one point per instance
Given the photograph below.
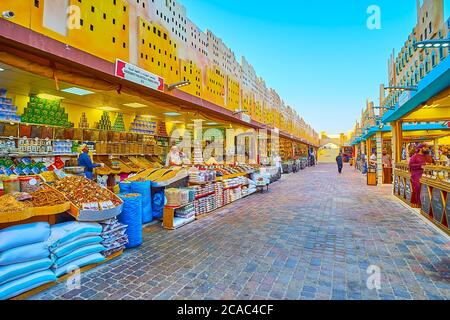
(85, 261)
(125, 187)
(158, 202)
(78, 254)
(20, 270)
(23, 235)
(64, 233)
(75, 245)
(132, 217)
(144, 189)
(17, 287)
(26, 253)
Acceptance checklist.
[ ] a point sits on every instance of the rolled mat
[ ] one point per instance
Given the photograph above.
(132, 216)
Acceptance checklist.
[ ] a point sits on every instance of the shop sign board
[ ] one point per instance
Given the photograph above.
(404, 98)
(132, 73)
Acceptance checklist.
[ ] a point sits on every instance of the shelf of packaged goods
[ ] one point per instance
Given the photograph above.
(204, 195)
(123, 154)
(200, 183)
(232, 187)
(232, 176)
(39, 155)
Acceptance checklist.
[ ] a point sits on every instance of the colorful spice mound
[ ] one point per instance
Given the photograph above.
(81, 191)
(9, 204)
(47, 197)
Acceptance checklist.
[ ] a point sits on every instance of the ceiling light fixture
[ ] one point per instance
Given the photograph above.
(172, 114)
(178, 85)
(106, 108)
(77, 91)
(135, 105)
(436, 43)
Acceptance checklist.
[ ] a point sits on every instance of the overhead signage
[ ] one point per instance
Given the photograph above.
(138, 75)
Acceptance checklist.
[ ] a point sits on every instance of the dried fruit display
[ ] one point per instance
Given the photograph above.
(80, 191)
(47, 197)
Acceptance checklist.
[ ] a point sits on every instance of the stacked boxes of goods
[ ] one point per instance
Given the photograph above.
(74, 245)
(63, 147)
(114, 236)
(206, 199)
(198, 153)
(144, 125)
(24, 259)
(119, 124)
(8, 112)
(161, 129)
(218, 188)
(23, 166)
(233, 189)
(186, 212)
(43, 111)
(84, 124)
(26, 145)
(105, 122)
(7, 146)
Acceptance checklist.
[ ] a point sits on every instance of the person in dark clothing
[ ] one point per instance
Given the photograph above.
(85, 161)
(340, 162)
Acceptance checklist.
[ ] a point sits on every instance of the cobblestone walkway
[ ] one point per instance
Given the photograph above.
(312, 236)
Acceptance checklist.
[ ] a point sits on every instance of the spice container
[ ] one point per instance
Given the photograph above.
(29, 184)
(11, 185)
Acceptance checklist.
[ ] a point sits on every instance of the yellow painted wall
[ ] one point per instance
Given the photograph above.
(157, 51)
(112, 29)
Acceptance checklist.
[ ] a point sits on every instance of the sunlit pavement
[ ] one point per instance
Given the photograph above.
(312, 236)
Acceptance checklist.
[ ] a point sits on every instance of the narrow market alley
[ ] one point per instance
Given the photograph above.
(313, 235)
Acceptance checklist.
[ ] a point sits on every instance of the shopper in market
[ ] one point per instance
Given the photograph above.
(387, 167)
(416, 164)
(84, 160)
(428, 155)
(174, 157)
(340, 162)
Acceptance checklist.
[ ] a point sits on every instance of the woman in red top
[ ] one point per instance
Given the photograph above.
(416, 164)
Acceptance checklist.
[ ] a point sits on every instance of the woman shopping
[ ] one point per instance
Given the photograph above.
(416, 164)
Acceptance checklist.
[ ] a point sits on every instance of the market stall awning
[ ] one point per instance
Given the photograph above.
(408, 127)
(433, 86)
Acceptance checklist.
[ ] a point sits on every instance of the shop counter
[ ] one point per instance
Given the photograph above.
(402, 182)
(435, 195)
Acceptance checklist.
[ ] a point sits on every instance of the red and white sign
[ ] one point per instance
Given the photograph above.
(138, 75)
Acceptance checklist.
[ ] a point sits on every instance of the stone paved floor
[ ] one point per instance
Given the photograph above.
(313, 236)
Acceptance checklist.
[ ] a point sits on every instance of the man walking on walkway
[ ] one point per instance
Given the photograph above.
(340, 162)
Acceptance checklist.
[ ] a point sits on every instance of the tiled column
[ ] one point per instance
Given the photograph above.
(379, 141)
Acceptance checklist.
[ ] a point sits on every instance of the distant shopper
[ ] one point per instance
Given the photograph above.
(174, 157)
(428, 156)
(373, 160)
(84, 160)
(340, 162)
(387, 167)
(416, 164)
